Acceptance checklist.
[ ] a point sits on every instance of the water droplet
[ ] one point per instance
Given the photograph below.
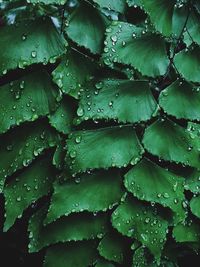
(34, 54)
(78, 139)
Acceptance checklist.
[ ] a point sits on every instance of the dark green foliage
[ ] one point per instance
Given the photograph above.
(99, 130)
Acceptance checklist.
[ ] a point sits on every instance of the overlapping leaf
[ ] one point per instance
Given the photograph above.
(167, 190)
(189, 232)
(21, 145)
(178, 146)
(86, 28)
(26, 99)
(62, 118)
(35, 41)
(181, 99)
(187, 63)
(121, 100)
(76, 227)
(73, 71)
(133, 219)
(33, 183)
(128, 44)
(172, 18)
(117, 5)
(117, 151)
(96, 192)
(195, 206)
(79, 254)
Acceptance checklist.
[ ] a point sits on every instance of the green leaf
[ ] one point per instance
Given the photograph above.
(195, 206)
(75, 254)
(35, 41)
(128, 44)
(26, 99)
(181, 99)
(112, 248)
(178, 146)
(62, 118)
(121, 100)
(141, 258)
(76, 227)
(171, 19)
(168, 189)
(86, 28)
(89, 192)
(187, 63)
(23, 144)
(192, 182)
(59, 155)
(189, 232)
(33, 183)
(117, 5)
(73, 71)
(192, 34)
(133, 219)
(116, 151)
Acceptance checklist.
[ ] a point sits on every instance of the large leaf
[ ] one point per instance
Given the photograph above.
(86, 28)
(35, 41)
(128, 44)
(116, 5)
(73, 71)
(75, 254)
(33, 183)
(76, 227)
(26, 99)
(112, 248)
(188, 232)
(187, 63)
(110, 147)
(171, 19)
(121, 100)
(62, 118)
(167, 188)
(90, 192)
(181, 99)
(21, 145)
(133, 219)
(195, 206)
(171, 142)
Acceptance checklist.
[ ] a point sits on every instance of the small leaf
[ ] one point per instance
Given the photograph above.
(133, 219)
(94, 192)
(195, 206)
(86, 28)
(110, 147)
(171, 19)
(75, 254)
(189, 232)
(167, 188)
(35, 41)
(187, 63)
(76, 227)
(33, 183)
(181, 99)
(178, 147)
(26, 99)
(128, 44)
(121, 100)
(62, 118)
(112, 248)
(73, 71)
(21, 145)
(192, 181)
